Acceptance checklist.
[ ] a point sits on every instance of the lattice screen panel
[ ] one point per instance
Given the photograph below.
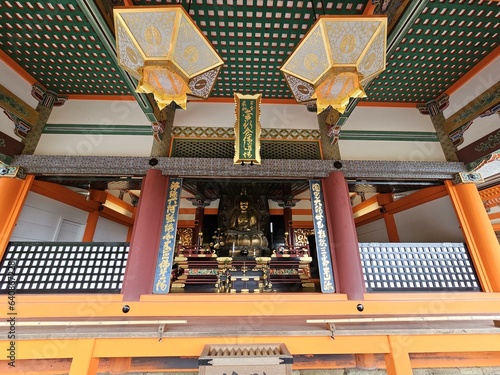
(64, 267)
(400, 267)
(196, 148)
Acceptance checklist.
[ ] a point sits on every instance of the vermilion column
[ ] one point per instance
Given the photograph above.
(143, 253)
(92, 219)
(12, 198)
(478, 233)
(343, 237)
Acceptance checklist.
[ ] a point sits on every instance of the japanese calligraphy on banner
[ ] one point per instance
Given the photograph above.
(247, 129)
(321, 235)
(167, 240)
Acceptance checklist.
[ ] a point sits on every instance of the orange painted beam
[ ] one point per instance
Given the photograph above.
(364, 205)
(84, 362)
(185, 223)
(368, 218)
(449, 343)
(303, 224)
(275, 304)
(397, 361)
(392, 207)
(466, 359)
(129, 233)
(64, 195)
(369, 9)
(416, 199)
(120, 203)
(187, 211)
(496, 227)
(479, 235)
(494, 216)
(129, 98)
(396, 347)
(12, 198)
(301, 211)
(117, 217)
(264, 100)
(387, 104)
(120, 365)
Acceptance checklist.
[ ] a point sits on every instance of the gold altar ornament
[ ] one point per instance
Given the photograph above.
(166, 52)
(247, 128)
(336, 58)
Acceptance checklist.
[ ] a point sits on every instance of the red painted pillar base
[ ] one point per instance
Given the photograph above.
(343, 237)
(143, 253)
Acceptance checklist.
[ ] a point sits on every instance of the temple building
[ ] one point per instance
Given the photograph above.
(250, 187)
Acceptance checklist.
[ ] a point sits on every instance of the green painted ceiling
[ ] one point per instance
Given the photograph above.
(68, 45)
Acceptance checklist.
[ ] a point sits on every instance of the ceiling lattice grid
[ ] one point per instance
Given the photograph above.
(254, 38)
(446, 41)
(54, 42)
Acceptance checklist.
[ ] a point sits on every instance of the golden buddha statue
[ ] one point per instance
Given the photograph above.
(244, 218)
(244, 234)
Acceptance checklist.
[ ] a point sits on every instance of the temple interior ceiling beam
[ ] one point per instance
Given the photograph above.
(209, 168)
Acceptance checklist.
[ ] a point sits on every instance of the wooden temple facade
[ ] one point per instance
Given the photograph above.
(131, 240)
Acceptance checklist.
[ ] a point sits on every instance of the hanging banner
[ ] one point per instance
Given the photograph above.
(247, 129)
(167, 241)
(321, 235)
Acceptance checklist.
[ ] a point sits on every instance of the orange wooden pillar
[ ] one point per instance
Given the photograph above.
(391, 227)
(13, 193)
(397, 361)
(84, 362)
(478, 233)
(143, 253)
(88, 235)
(343, 236)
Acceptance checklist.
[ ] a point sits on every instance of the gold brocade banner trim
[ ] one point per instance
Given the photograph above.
(322, 239)
(18, 107)
(168, 238)
(247, 129)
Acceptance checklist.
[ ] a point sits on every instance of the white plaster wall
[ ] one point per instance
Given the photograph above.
(94, 144)
(434, 221)
(41, 218)
(388, 119)
(103, 112)
(7, 126)
(109, 231)
(373, 232)
(279, 116)
(486, 78)
(391, 150)
(480, 127)
(19, 87)
(16, 84)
